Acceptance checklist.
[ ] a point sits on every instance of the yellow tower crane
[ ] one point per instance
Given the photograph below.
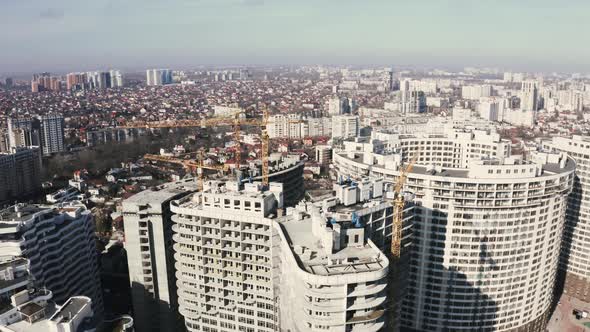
(234, 120)
(195, 167)
(398, 207)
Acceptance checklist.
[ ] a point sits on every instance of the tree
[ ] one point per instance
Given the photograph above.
(102, 221)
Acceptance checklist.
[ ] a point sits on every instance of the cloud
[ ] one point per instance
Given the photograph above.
(52, 14)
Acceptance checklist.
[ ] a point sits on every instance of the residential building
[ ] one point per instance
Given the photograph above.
(20, 173)
(345, 126)
(338, 105)
(76, 81)
(59, 243)
(158, 77)
(323, 154)
(23, 132)
(504, 211)
(575, 272)
(476, 92)
(148, 242)
(223, 245)
(105, 80)
(519, 117)
(412, 102)
(324, 282)
(529, 96)
(52, 134)
(116, 78)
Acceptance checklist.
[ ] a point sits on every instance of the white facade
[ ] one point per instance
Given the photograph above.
(323, 154)
(223, 242)
(461, 114)
(335, 106)
(576, 243)
(116, 78)
(60, 245)
(481, 221)
(474, 92)
(345, 126)
(292, 126)
(331, 278)
(489, 109)
(519, 117)
(412, 102)
(158, 77)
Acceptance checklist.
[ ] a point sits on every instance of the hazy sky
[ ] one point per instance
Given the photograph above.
(64, 35)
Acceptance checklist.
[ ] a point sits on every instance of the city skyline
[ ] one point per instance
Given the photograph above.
(530, 36)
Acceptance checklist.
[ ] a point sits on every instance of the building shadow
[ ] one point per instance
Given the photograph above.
(442, 297)
(571, 222)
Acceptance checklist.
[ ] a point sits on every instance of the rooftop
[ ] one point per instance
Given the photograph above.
(160, 194)
(70, 309)
(315, 259)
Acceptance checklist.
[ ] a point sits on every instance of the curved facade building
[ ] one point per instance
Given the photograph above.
(60, 246)
(332, 277)
(487, 227)
(575, 261)
(287, 170)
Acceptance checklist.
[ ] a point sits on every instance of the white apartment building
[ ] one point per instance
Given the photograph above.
(337, 105)
(490, 109)
(242, 265)
(332, 278)
(426, 86)
(412, 102)
(345, 126)
(334, 257)
(474, 92)
(574, 263)
(487, 228)
(60, 245)
(223, 251)
(148, 242)
(461, 114)
(158, 77)
(519, 117)
(293, 126)
(116, 78)
(453, 148)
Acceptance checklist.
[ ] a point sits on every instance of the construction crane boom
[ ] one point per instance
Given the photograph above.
(191, 165)
(234, 120)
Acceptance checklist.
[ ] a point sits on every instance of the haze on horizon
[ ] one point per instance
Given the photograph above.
(68, 35)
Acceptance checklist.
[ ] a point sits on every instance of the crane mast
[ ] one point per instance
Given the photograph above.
(398, 207)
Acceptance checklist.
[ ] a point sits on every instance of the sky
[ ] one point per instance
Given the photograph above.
(71, 35)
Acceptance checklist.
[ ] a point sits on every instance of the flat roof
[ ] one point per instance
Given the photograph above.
(25, 212)
(71, 308)
(315, 259)
(162, 193)
(422, 169)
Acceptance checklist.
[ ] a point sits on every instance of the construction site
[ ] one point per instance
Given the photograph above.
(355, 238)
